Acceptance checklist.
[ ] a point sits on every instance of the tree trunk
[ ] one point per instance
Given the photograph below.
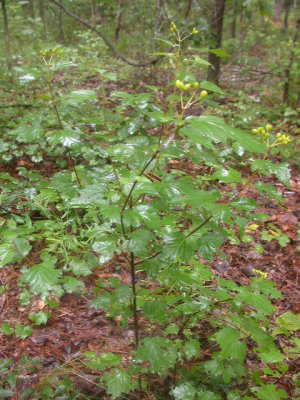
(6, 36)
(158, 15)
(278, 10)
(188, 9)
(287, 82)
(118, 20)
(233, 27)
(42, 16)
(287, 9)
(30, 7)
(216, 28)
(61, 36)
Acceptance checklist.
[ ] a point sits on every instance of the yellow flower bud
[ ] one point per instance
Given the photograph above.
(178, 84)
(203, 94)
(187, 87)
(196, 85)
(255, 131)
(269, 127)
(279, 134)
(195, 31)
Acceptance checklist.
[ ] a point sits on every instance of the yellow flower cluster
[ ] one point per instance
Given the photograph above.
(185, 87)
(283, 139)
(51, 52)
(173, 27)
(261, 274)
(265, 134)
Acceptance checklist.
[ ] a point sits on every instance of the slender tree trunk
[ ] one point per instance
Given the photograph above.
(287, 9)
(278, 10)
(216, 27)
(30, 7)
(158, 15)
(118, 20)
(188, 9)
(93, 12)
(61, 35)
(287, 82)
(6, 36)
(233, 27)
(42, 16)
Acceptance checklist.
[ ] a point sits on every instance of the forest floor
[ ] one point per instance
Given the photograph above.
(76, 328)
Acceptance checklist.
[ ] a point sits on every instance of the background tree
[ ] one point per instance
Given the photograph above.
(6, 35)
(217, 17)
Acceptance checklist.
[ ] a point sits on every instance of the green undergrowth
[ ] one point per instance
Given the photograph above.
(114, 194)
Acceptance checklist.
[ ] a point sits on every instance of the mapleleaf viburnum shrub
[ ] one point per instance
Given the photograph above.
(190, 327)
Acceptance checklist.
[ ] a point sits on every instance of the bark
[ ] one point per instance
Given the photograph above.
(233, 27)
(278, 10)
(42, 16)
(287, 9)
(118, 20)
(61, 35)
(30, 7)
(188, 9)
(217, 28)
(6, 35)
(287, 82)
(158, 15)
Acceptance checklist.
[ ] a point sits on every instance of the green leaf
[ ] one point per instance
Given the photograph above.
(266, 167)
(202, 199)
(7, 254)
(65, 137)
(139, 240)
(80, 268)
(185, 391)
(4, 393)
(59, 65)
(91, 195)
(244, 204)
(219, 53)
(71, 284)
(77, 97)
(63, 182)
(191, 348)
(159, 351)
(42, 277)
(258, 301)
(231, 347)
(102, 362)
(106, 247)
(208, 245)
(110, 76)
(269, 392)
(119, 382)
(211, 87)
(6, 329)
(270, 190)
(22, 247)
(155, 311)
(177, 245)
(23, 331)
(121, 152)
(227, 176)
(288, 321)
(40, 318)
(198, 60)
(27, 134)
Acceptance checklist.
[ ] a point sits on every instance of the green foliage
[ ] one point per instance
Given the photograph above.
(122, 196)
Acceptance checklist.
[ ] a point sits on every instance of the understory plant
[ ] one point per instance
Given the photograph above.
(155, 192)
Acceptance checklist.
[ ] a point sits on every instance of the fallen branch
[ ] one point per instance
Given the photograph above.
(106, 41)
